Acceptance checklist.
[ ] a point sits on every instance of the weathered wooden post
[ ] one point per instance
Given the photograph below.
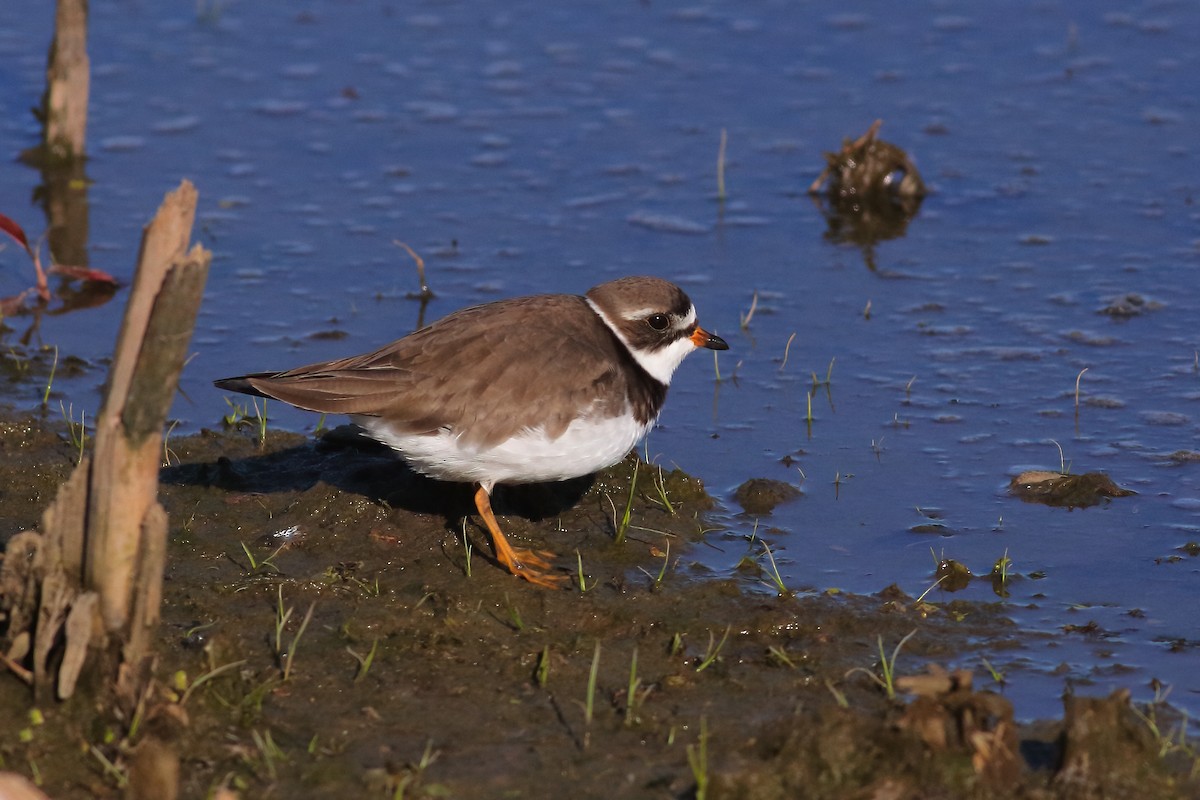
(91, 581)
(68, 79)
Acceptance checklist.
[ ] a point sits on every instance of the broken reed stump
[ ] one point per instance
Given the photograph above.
(86, 590)
(68, 79)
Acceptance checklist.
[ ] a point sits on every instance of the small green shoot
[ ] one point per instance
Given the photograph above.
(77, 431)
(542, 673)
(1002, 568)
(887, 666)
(255, 564)
(634, 694)
(660, 485)
(996, 675)
(710, 655)
(838, 695)
(364, 662)
(50, 380)
(780, 586)
(467, 548)
(270, 752)
(716, 367)
(208, 676)
(697, 756)
(623, 526)
(662, 571)
(1078, 378)
(514, 615)
(118, 776)
(1169, 740)
(780, 656)
(589, 706)
(932, 586)
(676, 645)
(262, 421)
(282, 616)
(237, 414)
(828, 376)
(583, 583)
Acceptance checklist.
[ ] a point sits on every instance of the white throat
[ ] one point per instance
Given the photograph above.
(661, 363)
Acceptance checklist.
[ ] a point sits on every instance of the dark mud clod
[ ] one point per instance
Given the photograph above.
(1069, 491)
(761, 495)
(1129, 305)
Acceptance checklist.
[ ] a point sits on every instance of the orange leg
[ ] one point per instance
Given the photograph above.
(520, 562)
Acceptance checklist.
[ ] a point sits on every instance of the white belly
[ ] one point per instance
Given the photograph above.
(586, 446)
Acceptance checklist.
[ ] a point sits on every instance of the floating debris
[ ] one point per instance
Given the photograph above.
(873, 190)
(761, 495)
(1070, 491)
(869, 167)
(1129, 305)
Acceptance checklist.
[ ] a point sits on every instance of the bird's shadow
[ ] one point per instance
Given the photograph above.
(348, 460)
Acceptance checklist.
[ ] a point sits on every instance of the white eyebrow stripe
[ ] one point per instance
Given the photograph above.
(688, 318)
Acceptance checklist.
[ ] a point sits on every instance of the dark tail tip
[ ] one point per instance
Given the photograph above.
(240, 384)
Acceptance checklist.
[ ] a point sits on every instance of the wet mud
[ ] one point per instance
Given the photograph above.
(331, 627)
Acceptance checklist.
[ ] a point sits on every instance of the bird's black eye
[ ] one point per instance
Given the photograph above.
(660, 322)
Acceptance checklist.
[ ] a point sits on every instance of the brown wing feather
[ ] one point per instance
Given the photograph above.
(488, 371)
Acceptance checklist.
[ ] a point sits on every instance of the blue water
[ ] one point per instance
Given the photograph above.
(523, 149)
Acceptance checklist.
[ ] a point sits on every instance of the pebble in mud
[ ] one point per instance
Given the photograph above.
(761, 495)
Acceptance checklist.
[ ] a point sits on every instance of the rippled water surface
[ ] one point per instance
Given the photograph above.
(523, 148)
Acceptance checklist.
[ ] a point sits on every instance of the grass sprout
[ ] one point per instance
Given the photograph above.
(50, 380)
(714, 649)
(780, 586)
(697, 756)
(583, 583)
(255, 564)
(77, 431)
(208, 676)
(660, 485)
(287, 655)
(542, 673)
(589, 706)
(886, 666)
(635, 694)
(364, 662)
(828, 376)
(623, 527)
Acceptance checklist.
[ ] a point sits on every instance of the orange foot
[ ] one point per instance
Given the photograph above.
(526, 564)
(531, 566)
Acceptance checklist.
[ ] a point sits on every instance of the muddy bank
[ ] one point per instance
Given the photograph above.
(331, 628)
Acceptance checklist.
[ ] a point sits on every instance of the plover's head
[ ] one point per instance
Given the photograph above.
(655, 320)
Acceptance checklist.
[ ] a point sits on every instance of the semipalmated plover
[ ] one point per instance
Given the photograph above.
(524, 390)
